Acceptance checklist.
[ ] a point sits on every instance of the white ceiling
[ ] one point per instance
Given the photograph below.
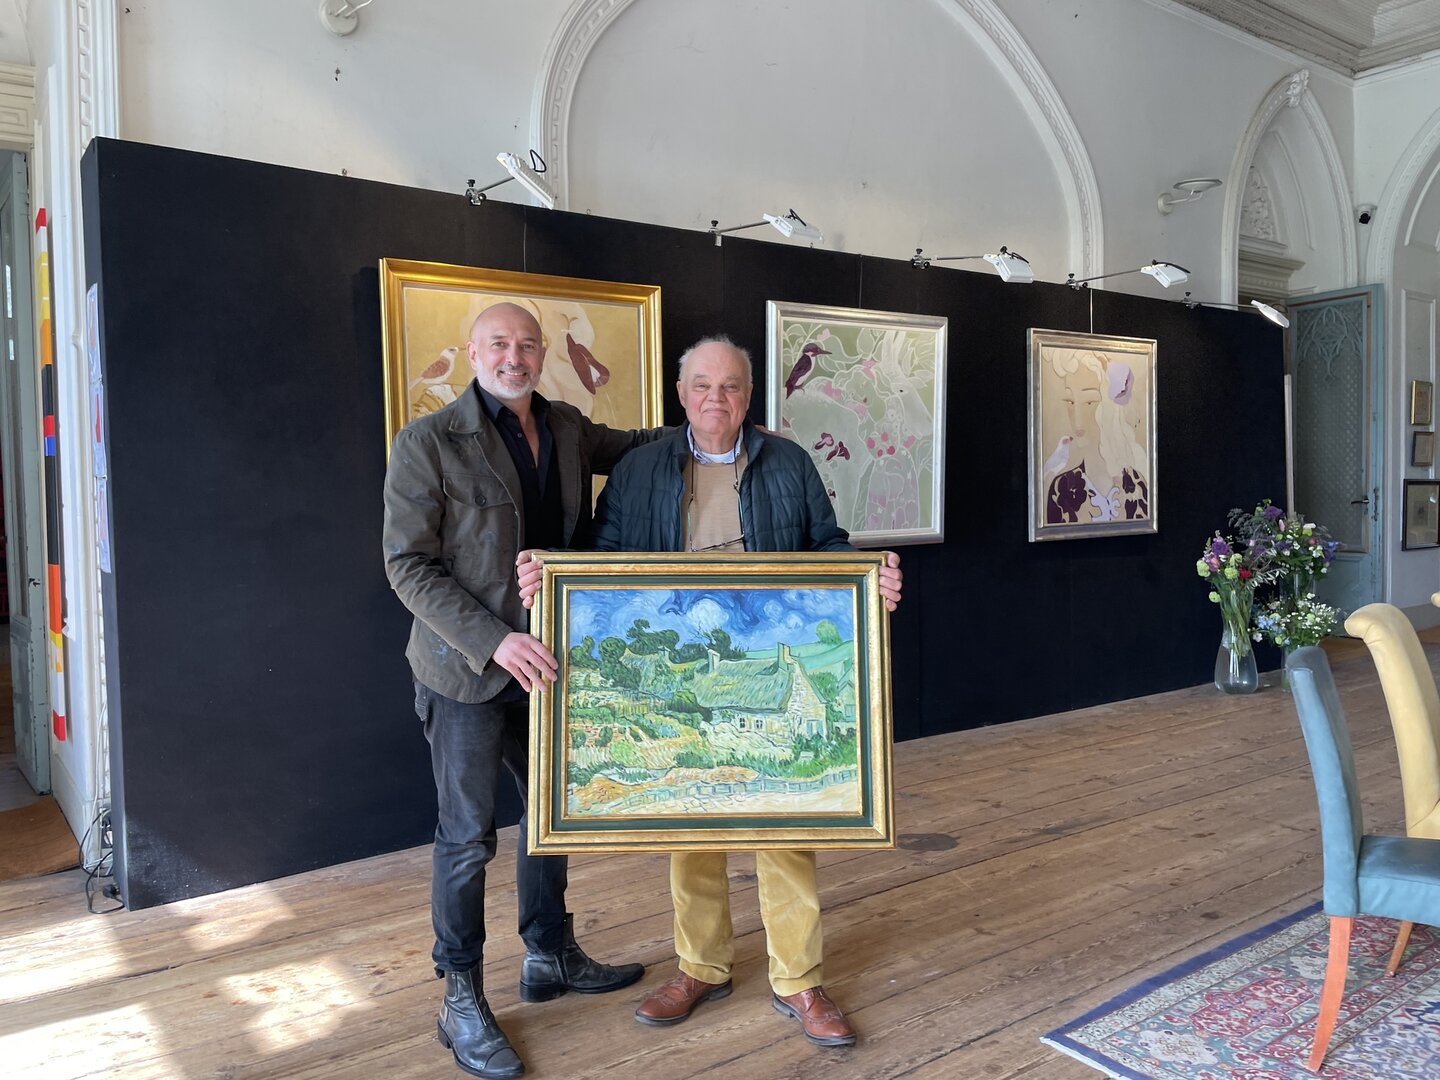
(1348, 35)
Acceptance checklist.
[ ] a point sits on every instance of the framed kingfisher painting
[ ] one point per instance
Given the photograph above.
(731, 701)
(864, 393)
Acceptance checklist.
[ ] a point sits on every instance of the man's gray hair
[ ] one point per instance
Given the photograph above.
(719, 339)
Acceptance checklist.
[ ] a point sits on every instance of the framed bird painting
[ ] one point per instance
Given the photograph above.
(1092, 435)
(601, 339)
(864, 393)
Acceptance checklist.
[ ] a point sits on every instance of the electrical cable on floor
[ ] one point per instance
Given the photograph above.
(98, 876)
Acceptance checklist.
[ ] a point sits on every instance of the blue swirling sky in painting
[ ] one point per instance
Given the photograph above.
(755, 619)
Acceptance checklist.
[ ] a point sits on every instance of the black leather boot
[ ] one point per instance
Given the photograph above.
(548, 975)
(468, 1029)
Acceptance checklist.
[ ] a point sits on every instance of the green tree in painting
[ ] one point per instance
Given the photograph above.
(583, 655)
(719, 640)
(827, 633)
(613, 667)
(647, 642)
(827, 687)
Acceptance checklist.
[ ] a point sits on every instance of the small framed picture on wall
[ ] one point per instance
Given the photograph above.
(1422, 401)
(1422, 449)
(1422, 515)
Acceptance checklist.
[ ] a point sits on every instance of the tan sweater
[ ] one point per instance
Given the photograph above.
(712, 506)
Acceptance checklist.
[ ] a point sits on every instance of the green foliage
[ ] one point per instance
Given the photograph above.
(583, 655)
(647, 642)
(827, 632)
(687, 653)
(685, 708)
(695, 759)
(719, 640)
(577, 740)
(826, 685)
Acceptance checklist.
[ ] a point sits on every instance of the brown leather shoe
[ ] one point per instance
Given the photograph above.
(824, 1023)
(676, 999)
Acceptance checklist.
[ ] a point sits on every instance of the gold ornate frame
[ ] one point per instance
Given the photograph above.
(627, 312)
(672, 806)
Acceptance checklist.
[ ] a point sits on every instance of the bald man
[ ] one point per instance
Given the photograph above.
(498, 470)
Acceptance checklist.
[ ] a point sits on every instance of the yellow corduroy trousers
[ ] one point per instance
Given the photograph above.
(789, 908)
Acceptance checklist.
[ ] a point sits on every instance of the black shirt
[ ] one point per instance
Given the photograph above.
(543, 515)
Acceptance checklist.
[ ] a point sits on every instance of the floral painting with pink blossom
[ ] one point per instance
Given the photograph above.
(864, 393)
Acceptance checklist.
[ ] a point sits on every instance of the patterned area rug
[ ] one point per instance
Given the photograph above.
(1246, 1011)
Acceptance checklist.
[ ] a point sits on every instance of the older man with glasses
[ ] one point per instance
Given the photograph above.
(719, 484)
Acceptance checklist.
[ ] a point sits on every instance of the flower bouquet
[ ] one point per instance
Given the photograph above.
(1299, 551)
(1294, 623)
(1233, 570)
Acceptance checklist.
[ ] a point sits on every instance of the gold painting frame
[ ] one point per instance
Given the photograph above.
(778, 737)
(426, 307)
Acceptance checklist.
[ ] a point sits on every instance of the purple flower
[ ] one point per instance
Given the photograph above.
(1273, 513)
(1219, 547)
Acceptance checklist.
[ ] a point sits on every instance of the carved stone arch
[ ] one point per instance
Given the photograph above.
(587, 20)
(1293, 92)
(1420, 157)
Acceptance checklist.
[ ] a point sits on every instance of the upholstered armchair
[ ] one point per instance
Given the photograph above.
(1414, 707)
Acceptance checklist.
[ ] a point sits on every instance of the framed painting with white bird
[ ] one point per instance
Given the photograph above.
(1092, 435)
(864, 393)
(601, 339)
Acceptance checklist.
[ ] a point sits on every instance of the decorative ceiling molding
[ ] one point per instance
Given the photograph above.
(1338, 187)
(587, 20)
(1350, 36)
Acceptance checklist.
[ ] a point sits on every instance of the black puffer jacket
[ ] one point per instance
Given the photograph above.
(783, 505)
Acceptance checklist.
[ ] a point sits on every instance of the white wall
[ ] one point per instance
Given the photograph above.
(425, 93)
(1398, 140)
(1161, 94)
(888, 132)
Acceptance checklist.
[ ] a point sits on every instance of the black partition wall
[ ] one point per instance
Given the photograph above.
(261, 716)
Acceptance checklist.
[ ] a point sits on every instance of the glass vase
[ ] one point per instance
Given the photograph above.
(1235, 669)
(1295, 585)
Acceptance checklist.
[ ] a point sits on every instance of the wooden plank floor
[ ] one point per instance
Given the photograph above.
(1044, 866)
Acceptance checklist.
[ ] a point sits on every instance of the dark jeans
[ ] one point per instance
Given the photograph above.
(468, 745)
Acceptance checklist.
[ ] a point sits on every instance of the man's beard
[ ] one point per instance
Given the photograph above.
(506, 391)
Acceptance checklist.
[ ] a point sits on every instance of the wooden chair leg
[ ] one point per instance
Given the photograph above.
(1401, 940)
(1334, 988)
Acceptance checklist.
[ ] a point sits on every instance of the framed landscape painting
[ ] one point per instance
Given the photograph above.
(722, 702)
(601, 339)
(864, 393)
(1092, 436)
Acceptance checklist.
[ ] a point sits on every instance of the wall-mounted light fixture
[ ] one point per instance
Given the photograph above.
(1166, 273)
(1193, 189)
(341, 17)
(1274, 314)
(1011, 265)
(790, 225)
(528, 175)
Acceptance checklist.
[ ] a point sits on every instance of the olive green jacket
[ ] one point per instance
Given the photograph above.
(453, 527)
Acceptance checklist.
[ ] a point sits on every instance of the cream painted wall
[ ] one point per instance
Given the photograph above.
(1398, 169)
(420, 94)
(427, 93)
(1160, 95)
(889, 133)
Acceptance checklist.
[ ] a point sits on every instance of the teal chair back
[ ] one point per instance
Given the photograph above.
(1327, 739)
(1393, 876)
